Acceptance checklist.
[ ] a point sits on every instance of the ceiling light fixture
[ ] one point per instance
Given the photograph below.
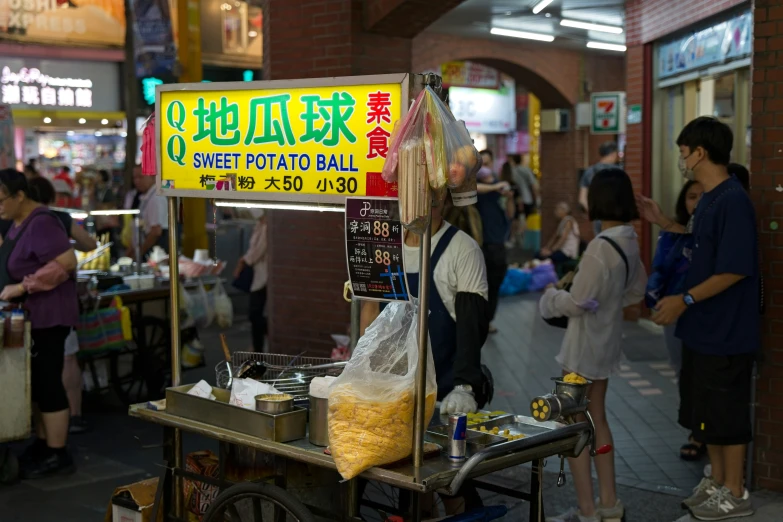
(541, 6)
(606, 46)
(47, 120)
(104, 121)
(592, 27)
(82, 121)
(522, 34)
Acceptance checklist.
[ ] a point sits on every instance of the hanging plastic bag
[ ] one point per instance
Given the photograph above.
(224, 309)
(371, 403)
(198, 308)
(430, 147)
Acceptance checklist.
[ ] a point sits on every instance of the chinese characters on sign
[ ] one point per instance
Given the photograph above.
(32, 87)
(316, 141)
(373, 242)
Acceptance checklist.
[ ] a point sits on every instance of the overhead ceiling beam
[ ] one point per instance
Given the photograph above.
(404, 18)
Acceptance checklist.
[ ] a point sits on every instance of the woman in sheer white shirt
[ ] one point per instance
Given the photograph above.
(610, 276)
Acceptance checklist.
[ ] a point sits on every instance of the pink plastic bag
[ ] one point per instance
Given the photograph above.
(149, 162)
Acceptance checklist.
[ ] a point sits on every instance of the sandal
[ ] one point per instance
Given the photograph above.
(692, 451)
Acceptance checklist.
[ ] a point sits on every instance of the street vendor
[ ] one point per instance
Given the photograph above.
(153, 211)
(458, 320)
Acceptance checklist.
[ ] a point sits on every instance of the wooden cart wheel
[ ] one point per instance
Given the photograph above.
(256, 502)
(142, 370)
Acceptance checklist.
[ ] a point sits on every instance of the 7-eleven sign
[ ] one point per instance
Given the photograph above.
(608, 109)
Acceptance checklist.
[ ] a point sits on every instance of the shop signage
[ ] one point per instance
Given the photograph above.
(298, 142)
(606, 112)
(155, 51)
(56, 85)
(721, 42)
(487, 111)
(634, 114)
(469, 74)
(94, 22)
(373, 246)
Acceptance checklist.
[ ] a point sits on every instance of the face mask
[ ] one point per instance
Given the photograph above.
(686, 172)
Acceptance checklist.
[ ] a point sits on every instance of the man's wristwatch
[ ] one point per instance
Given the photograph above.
(465, 388)
(688, 299)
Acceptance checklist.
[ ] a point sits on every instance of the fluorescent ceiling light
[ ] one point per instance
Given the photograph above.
(79, 215)
(540, 6)
(115, 212)
(592, 27)
(280, 206)
(522, 34)
(606, 46)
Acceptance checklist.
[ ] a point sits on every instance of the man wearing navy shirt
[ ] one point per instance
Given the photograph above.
(719, 319)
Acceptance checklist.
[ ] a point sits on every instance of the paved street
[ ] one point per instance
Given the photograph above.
(642, 403)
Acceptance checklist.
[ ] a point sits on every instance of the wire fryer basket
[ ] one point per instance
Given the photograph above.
(287, 373)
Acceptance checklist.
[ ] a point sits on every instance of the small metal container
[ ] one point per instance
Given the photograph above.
(458, 425)
(319, 424)
(274, 404)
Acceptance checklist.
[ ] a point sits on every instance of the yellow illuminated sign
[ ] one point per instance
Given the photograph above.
(301, 141)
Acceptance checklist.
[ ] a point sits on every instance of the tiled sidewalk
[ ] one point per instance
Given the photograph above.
(642, 400)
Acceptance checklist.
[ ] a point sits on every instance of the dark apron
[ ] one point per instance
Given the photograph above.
(442, 328)
(7, 248)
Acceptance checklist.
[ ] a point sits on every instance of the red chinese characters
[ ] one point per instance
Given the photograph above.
(378, 112)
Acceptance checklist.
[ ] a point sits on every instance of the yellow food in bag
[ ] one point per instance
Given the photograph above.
(367, 433)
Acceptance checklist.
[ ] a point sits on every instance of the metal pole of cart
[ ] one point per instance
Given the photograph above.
(137, 226)
(175, 344)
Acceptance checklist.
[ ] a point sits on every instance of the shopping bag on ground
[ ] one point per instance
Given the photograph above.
(517, 281)
(543, 275)
(371, 403)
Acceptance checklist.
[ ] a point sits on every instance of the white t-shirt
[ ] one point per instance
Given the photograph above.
(154, 211)
(461, 268)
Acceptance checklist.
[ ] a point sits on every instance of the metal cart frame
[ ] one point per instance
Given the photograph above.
(418, 476)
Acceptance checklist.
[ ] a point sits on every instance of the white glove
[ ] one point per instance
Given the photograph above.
(458, 401)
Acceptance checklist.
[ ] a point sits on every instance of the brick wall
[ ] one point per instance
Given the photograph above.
(767, 174)
(310, 39)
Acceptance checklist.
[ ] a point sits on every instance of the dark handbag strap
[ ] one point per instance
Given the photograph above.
(622, 255)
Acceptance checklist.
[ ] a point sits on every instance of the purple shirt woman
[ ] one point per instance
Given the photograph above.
(37, 242)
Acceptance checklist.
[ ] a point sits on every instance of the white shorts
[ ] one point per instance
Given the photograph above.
(71, 344)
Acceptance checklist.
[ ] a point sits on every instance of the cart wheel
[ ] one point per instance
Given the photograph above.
(142, 370)
(256, 502)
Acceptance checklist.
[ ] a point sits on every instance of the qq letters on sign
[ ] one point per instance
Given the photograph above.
(315, 140)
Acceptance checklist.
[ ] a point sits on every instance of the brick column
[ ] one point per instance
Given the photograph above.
(307, 267)
(766, 175)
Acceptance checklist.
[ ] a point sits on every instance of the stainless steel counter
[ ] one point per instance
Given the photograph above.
(437, 473)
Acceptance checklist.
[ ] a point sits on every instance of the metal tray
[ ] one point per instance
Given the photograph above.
(476, 440)
(517, 425)
(279, 428)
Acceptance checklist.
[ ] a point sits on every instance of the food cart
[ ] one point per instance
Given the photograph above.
(189, 113)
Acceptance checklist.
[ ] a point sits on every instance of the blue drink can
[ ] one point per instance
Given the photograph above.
(458, 425)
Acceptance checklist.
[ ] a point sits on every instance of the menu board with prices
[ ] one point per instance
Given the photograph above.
(373, 243)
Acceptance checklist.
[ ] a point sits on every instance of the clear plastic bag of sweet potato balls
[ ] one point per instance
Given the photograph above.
(371, 403)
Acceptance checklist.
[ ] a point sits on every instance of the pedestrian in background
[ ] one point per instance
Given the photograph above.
(494, 222)
(718, 318)
(610, 277)
(609, 158)
(529, 192)
(255, 259)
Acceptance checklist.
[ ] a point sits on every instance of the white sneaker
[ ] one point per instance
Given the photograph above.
(605, 513)
(573, 515)
(701, 493)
